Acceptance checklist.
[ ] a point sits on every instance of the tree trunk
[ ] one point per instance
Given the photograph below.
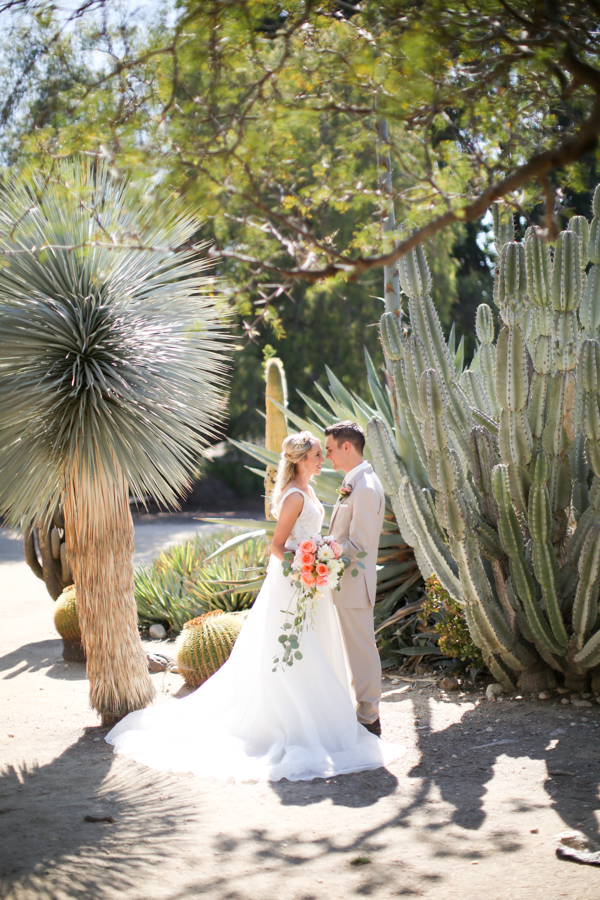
(99, 535)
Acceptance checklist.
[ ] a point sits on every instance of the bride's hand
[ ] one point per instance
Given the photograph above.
(290, 510)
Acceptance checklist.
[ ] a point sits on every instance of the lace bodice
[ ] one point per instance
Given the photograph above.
(308, 524)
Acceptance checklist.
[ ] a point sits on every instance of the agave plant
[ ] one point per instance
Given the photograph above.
(184, 582)
(111, 380)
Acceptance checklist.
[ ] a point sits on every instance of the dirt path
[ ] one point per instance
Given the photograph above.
(470, 811)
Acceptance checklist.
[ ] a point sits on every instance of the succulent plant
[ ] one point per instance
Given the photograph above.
(505, 508)
(205, 643)
(66, 622)
(46, 554)
(276, 425)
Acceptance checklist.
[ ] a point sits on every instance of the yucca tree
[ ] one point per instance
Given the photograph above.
(112, 374)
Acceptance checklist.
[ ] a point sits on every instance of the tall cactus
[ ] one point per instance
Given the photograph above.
(276, 427)
(508, 517)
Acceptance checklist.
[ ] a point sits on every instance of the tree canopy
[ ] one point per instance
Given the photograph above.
(281, 122)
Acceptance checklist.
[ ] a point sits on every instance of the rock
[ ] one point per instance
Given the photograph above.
(545, 695)
(158, 663)
(394, 681)
(489, 728)
(581, 703)
(449, 684)
(534, 831)
(157, 632)
(493, 690)
(421, 669)
(10, 734)
(586, 695)
(575, 839)
(565, 702)
(562, 690)
(175, 670)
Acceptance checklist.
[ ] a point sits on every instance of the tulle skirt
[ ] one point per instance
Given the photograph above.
(250, 723)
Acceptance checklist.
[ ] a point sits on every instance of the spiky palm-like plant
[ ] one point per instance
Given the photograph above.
(111, 380)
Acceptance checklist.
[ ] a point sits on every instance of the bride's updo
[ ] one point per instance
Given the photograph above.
(294, 449)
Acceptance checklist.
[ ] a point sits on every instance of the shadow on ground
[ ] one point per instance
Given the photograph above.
(38, 656)
(48, 848)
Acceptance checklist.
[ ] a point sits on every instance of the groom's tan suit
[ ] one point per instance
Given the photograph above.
(356, 523)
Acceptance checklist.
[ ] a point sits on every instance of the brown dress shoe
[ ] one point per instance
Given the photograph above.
(373, 727)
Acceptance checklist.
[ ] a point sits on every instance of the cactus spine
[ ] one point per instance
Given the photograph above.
(507, 511)
(276, 426)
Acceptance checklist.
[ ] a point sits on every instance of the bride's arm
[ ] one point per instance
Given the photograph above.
(290, 510)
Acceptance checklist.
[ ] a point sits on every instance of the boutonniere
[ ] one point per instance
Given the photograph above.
(345, 491)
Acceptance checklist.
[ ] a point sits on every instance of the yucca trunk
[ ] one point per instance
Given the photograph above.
(100, 547)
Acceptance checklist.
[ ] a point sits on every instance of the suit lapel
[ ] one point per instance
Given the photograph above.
(352, 484)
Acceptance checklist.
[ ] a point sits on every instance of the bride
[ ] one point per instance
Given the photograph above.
(249, 722)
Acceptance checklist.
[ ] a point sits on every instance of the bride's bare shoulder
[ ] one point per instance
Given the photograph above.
(293, 501)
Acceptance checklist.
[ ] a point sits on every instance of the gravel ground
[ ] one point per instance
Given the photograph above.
(471, 811)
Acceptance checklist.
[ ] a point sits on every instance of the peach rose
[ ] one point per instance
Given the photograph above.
(307, 580)
(307, 559)
(322, 569)
(337, 550)
(308, 546)
(307, 570)
(322, 581)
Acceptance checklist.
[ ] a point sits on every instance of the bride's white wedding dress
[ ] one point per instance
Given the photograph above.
(250, 723)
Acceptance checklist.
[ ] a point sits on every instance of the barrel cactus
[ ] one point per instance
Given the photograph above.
(505, 508)
(276, 426)
(205, 643)
(67, 625)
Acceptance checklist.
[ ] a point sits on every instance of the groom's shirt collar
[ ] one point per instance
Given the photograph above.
(353, 473)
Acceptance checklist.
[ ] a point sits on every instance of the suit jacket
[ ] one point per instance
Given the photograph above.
(356, 523)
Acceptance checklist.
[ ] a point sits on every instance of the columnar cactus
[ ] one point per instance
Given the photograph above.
(45, 553)
(508, 515)
(276, 426)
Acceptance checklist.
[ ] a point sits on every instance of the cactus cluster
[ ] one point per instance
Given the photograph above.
(205, 643)
(276, 425)
(503, 503)
(46, 554)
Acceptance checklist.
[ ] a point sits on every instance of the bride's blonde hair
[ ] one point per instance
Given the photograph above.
(294, 449)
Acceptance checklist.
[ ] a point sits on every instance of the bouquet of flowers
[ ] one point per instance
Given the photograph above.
(316, 565)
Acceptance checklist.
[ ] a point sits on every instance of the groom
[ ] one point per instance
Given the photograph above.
(356, 523)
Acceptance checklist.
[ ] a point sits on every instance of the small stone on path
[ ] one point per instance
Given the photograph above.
(492, 691)
(545, 695)
(581, 703)
(449, 684)
(157, 632)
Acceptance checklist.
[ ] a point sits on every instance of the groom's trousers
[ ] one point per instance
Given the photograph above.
(358, 631)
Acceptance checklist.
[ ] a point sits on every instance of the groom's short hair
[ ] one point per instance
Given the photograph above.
(347, 431)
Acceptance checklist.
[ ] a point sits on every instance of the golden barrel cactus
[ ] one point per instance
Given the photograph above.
(205, 644)
(276, 427)
(67, 625)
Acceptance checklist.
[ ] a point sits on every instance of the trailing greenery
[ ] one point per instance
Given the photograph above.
(182, 582)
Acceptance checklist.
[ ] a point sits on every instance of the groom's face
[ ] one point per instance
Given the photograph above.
(336, 452)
